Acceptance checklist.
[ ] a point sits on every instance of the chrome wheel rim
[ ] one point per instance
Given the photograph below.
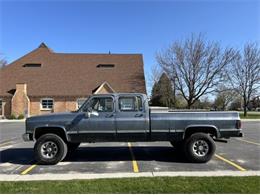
(49, 149)
(200, 148)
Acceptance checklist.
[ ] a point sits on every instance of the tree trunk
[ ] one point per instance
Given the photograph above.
(174, 93)
(245, 110)
(189, 104)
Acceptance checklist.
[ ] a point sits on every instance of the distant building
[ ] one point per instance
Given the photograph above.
(44, 81)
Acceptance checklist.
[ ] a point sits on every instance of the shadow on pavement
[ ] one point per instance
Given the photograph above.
(24, 156)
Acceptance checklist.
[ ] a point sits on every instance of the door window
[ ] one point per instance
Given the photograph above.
(130, 104)
(101, 104)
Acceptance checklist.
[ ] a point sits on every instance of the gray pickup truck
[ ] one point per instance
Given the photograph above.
(127, 117)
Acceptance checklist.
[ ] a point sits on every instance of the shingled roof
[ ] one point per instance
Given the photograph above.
(47, 73)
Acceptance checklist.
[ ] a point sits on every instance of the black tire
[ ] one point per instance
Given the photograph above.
(199, 148)
(72, 146)
(58, 149)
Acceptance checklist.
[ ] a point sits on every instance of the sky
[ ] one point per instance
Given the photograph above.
(127, 26)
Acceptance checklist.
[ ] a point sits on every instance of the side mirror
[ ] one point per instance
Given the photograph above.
(87, 114)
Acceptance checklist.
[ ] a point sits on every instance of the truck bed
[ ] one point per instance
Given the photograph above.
(172, 121)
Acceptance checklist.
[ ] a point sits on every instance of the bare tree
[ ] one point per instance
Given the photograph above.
(196, 66)
(245, 73)
(154, 76)
(224, 97)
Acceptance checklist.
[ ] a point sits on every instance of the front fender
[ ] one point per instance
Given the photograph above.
(39, 127)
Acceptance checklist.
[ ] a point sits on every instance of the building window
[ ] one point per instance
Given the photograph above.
(80, 102)
(106, 66)
(32, 65)
(47, 104)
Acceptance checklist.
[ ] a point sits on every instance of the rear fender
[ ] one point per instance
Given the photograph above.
(190, 129)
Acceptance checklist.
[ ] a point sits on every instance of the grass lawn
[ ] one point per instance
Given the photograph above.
(139, 185)
(250, 115)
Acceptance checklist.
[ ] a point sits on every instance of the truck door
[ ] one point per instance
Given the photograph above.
(99, 123)
(132, 122)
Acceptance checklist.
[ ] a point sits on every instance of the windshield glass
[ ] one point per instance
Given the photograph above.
(83, 105)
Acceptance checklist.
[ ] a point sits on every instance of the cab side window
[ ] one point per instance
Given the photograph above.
(101, 104)
(130, 104)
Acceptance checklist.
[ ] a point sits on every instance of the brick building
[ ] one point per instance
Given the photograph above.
(44, 81)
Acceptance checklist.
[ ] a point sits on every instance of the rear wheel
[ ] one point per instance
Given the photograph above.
(50, 149)
(199, 148)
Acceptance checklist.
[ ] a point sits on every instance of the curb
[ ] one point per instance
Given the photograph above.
(72, 176)
(10, 121)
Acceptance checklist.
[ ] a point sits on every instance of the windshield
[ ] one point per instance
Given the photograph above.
(83, 105)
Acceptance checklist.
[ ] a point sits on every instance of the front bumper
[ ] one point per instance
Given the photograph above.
(27, 137)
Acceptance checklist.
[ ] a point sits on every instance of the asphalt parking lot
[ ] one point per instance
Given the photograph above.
(239, 154)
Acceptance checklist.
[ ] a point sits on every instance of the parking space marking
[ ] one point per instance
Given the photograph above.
(17, 168)
(247, 141)
(28, 169)
(230, 162)
(135, 166)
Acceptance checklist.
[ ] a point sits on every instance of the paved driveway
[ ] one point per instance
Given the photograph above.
(239, 154)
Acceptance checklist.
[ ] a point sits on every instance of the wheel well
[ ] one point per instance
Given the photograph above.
(55, 130)
(209, 130)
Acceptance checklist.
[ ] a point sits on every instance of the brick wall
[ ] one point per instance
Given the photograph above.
(61, 104)
(6, 101)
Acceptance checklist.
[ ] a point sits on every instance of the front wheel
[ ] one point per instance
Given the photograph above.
(199, 148)
(50, 149)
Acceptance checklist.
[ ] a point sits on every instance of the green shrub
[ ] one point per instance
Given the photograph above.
(12, 116)
(21, 116)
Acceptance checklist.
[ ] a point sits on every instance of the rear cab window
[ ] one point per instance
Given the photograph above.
(130, 104)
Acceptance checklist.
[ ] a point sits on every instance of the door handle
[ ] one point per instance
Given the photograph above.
(138, 115)
(109, 115)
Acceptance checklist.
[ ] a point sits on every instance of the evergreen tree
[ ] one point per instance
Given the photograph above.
(162, 92)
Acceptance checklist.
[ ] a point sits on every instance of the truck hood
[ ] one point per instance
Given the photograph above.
(55, 117)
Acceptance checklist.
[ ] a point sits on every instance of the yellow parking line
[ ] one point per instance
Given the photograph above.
(230, 162)
(250, 142)
(28, 169)
(135, 166)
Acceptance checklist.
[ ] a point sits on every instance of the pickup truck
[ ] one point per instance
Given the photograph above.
(127, 117)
